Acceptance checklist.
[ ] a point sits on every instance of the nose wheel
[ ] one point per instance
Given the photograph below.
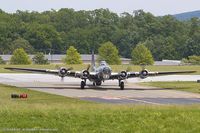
(121, 85)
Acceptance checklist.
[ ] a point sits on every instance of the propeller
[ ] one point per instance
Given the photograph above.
(86, 72)
(69, 68)
(128, 69)
(143, 66)
(123, 74)
(57, 66)
(88, 67)
(63, 71)
(144, 72)
(62, 79)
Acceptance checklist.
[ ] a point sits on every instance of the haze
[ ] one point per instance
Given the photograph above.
(156, 7)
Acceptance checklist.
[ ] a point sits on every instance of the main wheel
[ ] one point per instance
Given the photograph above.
(98, 83)
(122, 85)
(82, 84)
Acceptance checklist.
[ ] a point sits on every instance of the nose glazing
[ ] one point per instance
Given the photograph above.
(106, 70)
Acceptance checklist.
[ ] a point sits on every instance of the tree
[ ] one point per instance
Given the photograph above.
(192, 44)
(194, 26)
(162, 47)
(43, 36)
(109, 53)
(72, 56)
(22, 43)
(39, 58)
(193, 60)
(20, 57)
(141, 55)
(2, 61)
(193, 47)
(166, 37)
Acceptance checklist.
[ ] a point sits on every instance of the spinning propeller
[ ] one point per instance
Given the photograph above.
(63, 72)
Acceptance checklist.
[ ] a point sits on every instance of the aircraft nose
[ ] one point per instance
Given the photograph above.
(106, 70)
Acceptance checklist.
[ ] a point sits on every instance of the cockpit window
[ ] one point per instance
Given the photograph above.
(102, 63)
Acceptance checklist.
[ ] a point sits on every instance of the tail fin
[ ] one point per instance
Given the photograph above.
(93, 61)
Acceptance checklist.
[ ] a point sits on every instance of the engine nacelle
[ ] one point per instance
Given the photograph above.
(144, 74)
(123, 74)
(85, 74)
(62, 72)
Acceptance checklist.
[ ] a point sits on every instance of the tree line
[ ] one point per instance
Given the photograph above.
(55, 31)
(107, 52)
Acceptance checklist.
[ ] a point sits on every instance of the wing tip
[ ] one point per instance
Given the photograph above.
(9, 68)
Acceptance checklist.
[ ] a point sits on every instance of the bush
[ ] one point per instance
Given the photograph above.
(21, 43)
(39, 58)
(109, 53)
(193, 60)
(2, 61)
(142, 55)
(20, 57)
(72, 56)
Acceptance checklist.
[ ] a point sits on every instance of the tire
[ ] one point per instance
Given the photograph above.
(122, 85)
(98, 83)
(82, 84)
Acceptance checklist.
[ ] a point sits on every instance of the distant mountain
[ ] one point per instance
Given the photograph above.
(187, 15)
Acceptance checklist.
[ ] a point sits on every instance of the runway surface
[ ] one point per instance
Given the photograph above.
(109, 92)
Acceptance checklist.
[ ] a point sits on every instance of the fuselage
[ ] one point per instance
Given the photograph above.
(103, 72)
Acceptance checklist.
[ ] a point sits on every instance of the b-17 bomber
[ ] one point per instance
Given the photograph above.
(99, 74)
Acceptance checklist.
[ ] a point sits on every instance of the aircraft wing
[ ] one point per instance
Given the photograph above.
(33, 70)
(62, 72)
(144, 74)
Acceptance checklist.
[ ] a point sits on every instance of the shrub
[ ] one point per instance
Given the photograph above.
(72, 56)
(109, 53)
(193, 60)
(39, 58)
(20, 57)
(142, 55)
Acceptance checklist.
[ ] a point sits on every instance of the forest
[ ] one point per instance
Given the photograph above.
(55, 31)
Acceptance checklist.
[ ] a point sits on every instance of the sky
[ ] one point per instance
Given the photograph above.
(156, 7)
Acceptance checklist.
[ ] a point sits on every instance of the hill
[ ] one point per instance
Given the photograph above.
(187, 15)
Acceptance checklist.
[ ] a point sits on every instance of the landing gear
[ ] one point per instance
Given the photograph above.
(83, 83)
(98, 83)
(121, 84)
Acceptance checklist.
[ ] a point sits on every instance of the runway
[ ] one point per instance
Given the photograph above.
(109, 92)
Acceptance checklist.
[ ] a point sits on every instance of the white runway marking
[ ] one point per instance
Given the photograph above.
(143, 101)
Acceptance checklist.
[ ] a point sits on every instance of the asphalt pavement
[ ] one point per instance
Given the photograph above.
(109, 92)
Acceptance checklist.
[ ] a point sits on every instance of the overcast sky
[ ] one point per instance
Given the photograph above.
(157, 7)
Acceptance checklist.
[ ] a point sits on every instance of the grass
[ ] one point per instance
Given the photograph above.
(178, 85)
(61, 114)
(115, 68)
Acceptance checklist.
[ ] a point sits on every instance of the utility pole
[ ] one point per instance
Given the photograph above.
(51, 55)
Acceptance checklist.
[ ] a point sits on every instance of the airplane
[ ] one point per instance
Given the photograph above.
(99, 74)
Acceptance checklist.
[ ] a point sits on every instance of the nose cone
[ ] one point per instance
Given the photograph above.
(106, 73)
(106, 70)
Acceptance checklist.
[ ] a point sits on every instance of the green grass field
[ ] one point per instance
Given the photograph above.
(42, 111)
(183, 86)
(115, 68)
